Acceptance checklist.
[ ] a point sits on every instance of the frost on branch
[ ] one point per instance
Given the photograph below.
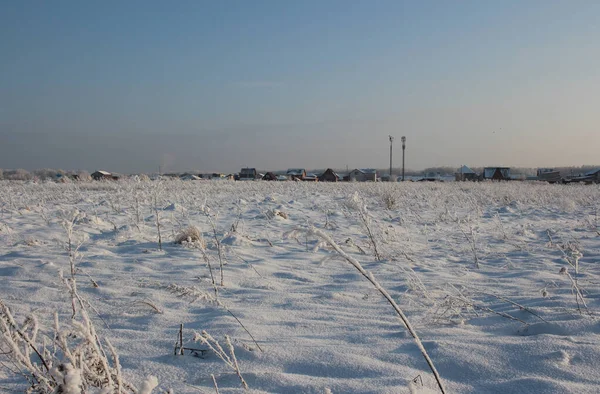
(78, 362)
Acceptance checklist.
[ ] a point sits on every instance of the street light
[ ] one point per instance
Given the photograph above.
(403, 139)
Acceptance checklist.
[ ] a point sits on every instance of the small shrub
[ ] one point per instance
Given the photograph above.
(389, 199)
(190, 235)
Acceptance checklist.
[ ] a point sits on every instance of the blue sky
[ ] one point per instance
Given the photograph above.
(214, 86)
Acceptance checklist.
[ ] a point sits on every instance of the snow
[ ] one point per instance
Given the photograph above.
(515, 325)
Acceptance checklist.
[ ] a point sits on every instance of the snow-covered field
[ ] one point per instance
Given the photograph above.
(501, 281)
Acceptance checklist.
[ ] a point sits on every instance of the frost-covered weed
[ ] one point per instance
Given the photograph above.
(191, 235)
(227, 354)
(389, 198)
(78, 362)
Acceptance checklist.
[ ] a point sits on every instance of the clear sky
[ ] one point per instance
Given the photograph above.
(214, 86)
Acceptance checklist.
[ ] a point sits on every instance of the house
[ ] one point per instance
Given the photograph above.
(431, 177)
(363, 175)
(103, 175)
(247, 174)
(296, 174)
(589, 177)
(311, 178)
(370, 174)
(549, 175)
(329, 176)
(269, 176)
(594, 175)
(464, 173)
(496, 173)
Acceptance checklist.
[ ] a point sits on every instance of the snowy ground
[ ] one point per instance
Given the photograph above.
(321, 325)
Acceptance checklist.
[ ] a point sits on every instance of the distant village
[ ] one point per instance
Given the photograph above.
(464, 173)
(586, 175)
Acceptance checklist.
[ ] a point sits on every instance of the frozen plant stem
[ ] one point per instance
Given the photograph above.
(229, 359)
(369, 276)
(472, 245)
(68, 225)
(367, 223)
(215, 383)
(577, 291)
(521, 307)
(218, 243)
(466, 302)
(212, 277)
(156, 194)
(573, 257)
(157, 223)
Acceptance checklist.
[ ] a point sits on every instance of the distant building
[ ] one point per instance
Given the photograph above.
(363, 175)
(329, 176)
(496, 173)
(189, 177)
(247, 174)
(171, 175)
(464, 173)
(103, 175)
(311, 178)
(431, 177)
(594, 175)
(296, 174)
(269, 176)
(549, 175)
(589, 177)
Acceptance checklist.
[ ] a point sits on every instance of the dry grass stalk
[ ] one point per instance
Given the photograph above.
(369, 276)
(575, 288)
(228, 358)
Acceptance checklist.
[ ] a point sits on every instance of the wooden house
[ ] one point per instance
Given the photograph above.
(103, 175)
(269, 176)
(464, 173)
(311, 178)
(363, 175)
(549, 175)
(496, 173)
(296, 174)
(247, 174)
(329, 176)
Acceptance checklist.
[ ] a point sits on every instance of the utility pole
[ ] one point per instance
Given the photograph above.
(391, 142)
(403, 149)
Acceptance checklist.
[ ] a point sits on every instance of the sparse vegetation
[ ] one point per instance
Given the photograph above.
(534, 246)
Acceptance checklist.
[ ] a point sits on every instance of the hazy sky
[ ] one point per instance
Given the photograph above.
(214, 86)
